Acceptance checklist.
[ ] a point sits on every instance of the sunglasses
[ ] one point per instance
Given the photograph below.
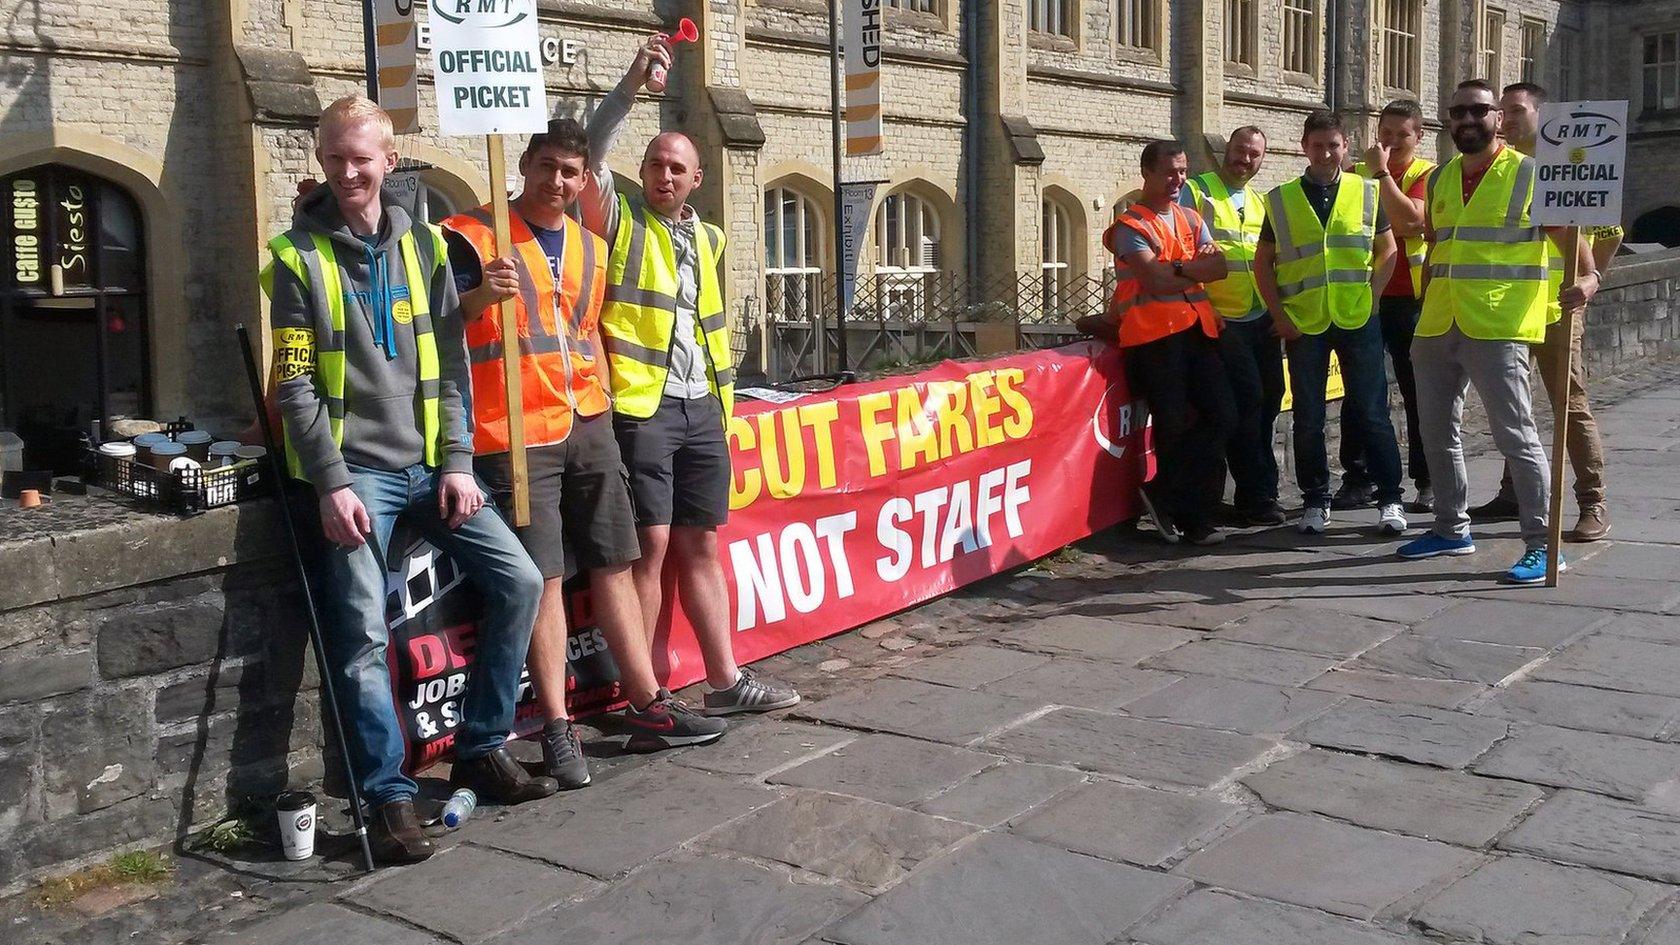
(1477, 111)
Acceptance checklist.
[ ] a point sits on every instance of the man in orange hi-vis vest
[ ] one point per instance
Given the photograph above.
(1160, 315)
(581, 507)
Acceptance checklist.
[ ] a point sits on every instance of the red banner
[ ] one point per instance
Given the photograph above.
(846, 506)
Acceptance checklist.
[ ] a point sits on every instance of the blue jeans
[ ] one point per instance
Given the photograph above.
(1364, 405)
(351, 595)
(1254, 363)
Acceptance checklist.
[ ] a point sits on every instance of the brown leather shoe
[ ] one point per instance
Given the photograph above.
(394, 834)
(500, 778)
(1593, 525)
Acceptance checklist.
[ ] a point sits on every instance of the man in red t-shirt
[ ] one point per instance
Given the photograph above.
(1402, 180)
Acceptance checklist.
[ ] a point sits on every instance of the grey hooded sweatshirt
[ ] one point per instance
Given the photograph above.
(382, 402)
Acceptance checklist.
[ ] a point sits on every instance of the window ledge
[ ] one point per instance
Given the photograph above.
(1055, 42)
(1141, 55)
(1241, 70)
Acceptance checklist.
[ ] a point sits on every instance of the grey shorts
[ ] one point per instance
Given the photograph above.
(678, 461)
(581, 511)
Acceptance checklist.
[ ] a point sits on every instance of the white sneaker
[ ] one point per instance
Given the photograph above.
(1314, 521)
(1392, 521)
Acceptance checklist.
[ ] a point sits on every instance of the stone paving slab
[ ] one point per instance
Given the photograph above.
(625, 821)
(1311, 630)
(1126, 823)
(1412, 799)
(1519, 901)
(1216, 917)
(1150, 751)
(863, 843)
(1614, 662)
(1665, 931)
(695, 900)
(1630, 768)
(969, 667)
(1513, 623)
(318, 922)
(1233, 705)
(1582, 707)
(1096, 638)
(1655, 628)
(1198, 616)
(1084, 684)
(1003, 890)
(1398, 606)
(1242, 661)
(1598, 831)
(919, 710)
(888, 768)
(1416, 733)
(1597, 590)
(1432, 657)
(1627, 560)
(1001, 792)
(1387, 687)
(1310, 861)
(469, 892)
(754, 749)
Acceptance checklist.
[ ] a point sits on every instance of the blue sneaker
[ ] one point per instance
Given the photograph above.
(1434, 546)
(1531, 567)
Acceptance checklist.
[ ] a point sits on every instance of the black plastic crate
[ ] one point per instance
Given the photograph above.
(185, 491)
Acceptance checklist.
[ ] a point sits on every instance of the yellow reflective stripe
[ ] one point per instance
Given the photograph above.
(1501, 273)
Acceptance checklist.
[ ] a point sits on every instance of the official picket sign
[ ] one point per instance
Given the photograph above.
(486, 56)
(1582, 161)
(844, 507)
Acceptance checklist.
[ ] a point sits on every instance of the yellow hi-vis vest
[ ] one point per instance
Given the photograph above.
(310, 257)
(1489, 269)
(1236, 232)
(640, 315)
(1324, 270)
(1417, 251)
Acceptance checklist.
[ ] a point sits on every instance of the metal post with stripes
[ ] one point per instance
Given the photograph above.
(839, 221)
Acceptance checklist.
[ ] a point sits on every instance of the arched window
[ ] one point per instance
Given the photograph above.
(907, 255)
(73, 346)
(1056, 256)
(793, 255)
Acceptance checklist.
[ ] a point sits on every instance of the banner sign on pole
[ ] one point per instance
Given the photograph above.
(488, 65)
(394, 51)
(845, 507)
(856, 196)
(863, 77)
(1582, 161)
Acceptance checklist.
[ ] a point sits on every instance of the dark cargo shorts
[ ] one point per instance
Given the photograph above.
(678, 460)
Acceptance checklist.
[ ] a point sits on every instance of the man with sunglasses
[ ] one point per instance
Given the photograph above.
(1486, 298)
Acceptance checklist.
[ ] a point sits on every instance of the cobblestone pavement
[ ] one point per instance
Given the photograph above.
(1296, 741)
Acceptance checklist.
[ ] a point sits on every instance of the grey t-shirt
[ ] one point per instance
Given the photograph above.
(599, 205)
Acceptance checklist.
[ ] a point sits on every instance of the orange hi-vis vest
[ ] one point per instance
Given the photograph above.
(558, 358)
(1144, 317)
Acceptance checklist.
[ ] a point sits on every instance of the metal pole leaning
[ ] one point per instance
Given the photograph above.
(335, 717)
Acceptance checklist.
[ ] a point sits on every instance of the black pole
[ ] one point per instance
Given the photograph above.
(369, 52)
(839, 222)
(335, 717)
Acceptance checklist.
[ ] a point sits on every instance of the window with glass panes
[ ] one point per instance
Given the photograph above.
(1402, 25)
(1662, 71)
(1050, 16)
(793, 255)
(1137, 23)
(1300, 36)
(918, 6)
(1056, 253)
(907, 258)
(1240, 32)
(1493, 45)
(1533, 50)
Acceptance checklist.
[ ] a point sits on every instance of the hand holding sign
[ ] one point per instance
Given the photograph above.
(686, 32)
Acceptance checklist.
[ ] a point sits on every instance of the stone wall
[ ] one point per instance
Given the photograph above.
(153, 671)
(1636, 316)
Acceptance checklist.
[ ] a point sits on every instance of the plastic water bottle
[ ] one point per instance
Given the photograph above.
(460, 806)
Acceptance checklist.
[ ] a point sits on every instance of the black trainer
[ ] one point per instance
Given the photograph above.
(1155, 506)
(1354, 495)
(1264, 515)
(667, 722)
(1500, 508)
(563, 755)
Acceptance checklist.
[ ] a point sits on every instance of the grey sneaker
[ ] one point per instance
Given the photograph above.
(563, 755)
(749, 694)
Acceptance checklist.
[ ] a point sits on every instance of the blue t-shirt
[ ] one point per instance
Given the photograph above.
(463, 258)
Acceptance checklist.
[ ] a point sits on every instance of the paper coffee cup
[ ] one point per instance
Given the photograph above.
(296, 810)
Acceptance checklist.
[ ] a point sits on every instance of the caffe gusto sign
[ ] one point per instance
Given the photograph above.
(72, 220)
(26, 232)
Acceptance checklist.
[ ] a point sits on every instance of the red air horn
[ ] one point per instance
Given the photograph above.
(686, 32)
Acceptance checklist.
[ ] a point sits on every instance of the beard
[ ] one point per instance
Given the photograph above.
(1472, 139)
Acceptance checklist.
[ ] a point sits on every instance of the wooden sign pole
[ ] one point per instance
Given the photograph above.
(1565, 342)
(509, 319)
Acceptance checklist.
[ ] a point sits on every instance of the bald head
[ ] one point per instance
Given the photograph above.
(670, 172)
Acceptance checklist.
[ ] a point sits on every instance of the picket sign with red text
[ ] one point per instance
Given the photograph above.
(845, 507)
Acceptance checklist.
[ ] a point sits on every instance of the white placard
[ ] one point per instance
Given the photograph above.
(863, 77)
(1582, 156)
(855, 198)
(487, 62)
(394, 63)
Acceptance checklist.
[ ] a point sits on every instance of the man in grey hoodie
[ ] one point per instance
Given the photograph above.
(370, 359)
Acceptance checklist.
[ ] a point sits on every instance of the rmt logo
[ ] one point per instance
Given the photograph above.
(481, 14)
(1115, 421)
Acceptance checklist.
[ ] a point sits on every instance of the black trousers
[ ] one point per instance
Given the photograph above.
(1254, 363)
(1182, 381)
(1399, 316)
